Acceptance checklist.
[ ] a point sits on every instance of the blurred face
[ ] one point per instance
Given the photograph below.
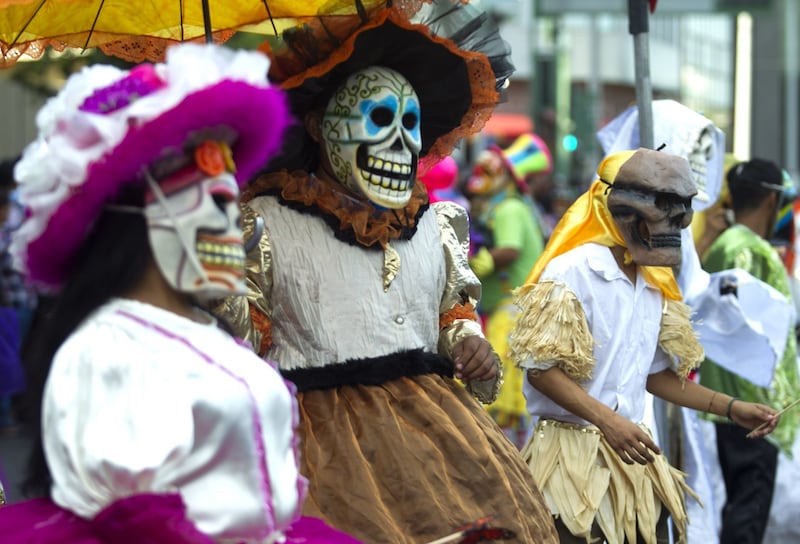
(490, 175)
(372, 136)
(193, 225)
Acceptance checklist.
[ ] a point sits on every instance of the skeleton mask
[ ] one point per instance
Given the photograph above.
(371, 132)
(193, 224)
(650, 200)
(701, 153)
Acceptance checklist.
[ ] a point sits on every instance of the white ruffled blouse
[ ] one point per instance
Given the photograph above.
(141, 400)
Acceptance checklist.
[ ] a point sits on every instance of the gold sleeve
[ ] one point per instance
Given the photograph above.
(249, 315)
(457, 315)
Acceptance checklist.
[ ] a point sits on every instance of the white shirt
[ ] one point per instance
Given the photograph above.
(624, 320)
(141, 400)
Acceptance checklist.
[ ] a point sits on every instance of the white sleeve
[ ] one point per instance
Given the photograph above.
(113, 419)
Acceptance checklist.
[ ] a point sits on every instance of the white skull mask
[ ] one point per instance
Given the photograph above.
(699, 156)
(372, 138)
(194, 231)
(651, 201)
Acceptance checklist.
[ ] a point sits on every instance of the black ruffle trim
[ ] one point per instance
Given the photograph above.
(370, 371)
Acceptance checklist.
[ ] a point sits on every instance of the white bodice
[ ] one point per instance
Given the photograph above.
(328, 300)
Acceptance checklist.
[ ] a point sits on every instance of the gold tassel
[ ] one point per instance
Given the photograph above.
(552, 327)
(678, 338)
(391, 266)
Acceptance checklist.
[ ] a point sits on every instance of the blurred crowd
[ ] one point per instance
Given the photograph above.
(506, 342)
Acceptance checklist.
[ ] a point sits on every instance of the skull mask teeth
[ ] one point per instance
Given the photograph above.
(650, 201)
(371, 131)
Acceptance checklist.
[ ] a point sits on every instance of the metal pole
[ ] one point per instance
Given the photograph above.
(792, 93)
(595, 90)
(638, 26)
(207, 21)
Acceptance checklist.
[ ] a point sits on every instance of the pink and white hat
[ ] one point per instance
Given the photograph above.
(99, 133)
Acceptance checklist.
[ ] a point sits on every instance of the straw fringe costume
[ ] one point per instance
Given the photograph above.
(582, 478)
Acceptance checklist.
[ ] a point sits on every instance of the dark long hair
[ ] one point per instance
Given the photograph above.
(109, 264)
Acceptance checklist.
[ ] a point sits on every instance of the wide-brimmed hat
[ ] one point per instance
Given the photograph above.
(451, 53)
(99, 133)
(525, 156)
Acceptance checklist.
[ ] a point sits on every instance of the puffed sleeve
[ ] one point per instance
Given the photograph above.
(115, 424)
(457, 317)
(250, 315)
(551, 330)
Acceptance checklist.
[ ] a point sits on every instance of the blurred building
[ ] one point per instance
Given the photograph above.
(736, 61)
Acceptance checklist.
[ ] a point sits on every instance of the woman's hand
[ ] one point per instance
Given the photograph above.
(475, 360)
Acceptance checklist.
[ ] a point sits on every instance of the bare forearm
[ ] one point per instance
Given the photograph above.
(668, 386)
(631, 443)
(503, 256)
(565, 392)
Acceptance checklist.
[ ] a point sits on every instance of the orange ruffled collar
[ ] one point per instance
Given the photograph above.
(352, 219)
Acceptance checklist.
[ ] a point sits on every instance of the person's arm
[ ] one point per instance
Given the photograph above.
(717, 219)
(668, 386)
(626, 438)
(508, 232)
(460, 336)
(475, 359)
(503, 256)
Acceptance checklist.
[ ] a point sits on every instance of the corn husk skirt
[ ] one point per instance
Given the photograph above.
(584, 481)
(413, 460)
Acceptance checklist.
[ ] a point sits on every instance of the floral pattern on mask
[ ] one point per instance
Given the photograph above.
(193, 224)
(372, 136)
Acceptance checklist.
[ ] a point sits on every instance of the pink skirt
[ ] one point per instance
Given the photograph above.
(140, 519)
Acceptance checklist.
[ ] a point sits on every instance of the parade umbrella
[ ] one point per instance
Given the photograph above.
(138, 30)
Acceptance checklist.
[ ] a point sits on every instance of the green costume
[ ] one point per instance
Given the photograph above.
(739, 247)
(512, 222)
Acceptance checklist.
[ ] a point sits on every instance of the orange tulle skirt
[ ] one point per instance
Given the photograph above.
(413, 460)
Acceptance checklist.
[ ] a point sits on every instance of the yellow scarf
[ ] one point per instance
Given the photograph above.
(588, 220)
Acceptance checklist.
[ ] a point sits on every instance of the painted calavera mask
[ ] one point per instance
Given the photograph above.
(193, 224)
(490, 174)
(651, 201)
(372, 137)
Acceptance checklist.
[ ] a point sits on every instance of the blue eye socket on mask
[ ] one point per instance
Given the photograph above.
(379, 114)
